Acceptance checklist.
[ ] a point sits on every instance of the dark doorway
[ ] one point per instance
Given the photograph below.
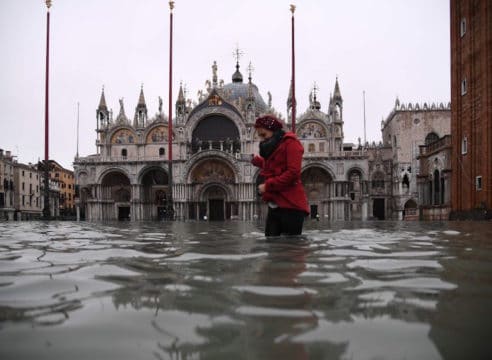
(314, 211)
(378, 209)
(202, 210)
(216, 207)
(123, 213)
(161, 212)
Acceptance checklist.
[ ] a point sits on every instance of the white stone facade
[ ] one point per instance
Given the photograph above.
(212, 143)
(406, 129)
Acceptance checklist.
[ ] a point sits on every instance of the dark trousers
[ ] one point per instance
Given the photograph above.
(284, 221)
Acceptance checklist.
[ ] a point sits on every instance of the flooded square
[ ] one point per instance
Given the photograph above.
(220, 290)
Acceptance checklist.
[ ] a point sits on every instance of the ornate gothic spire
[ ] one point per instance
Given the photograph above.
(181, 97)
(141, 99)
(140, 111)
(336, 94)
(102, 101)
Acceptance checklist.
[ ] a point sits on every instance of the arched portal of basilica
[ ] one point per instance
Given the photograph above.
(154, 193)
(116, 195)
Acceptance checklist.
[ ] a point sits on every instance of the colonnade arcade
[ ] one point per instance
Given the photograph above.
(332, 198)
(117, 198)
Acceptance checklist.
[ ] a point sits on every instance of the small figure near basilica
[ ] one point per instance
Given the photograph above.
(280, 184)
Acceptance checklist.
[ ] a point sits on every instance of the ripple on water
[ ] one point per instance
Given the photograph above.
(333, 278)
(228, 257)
(393, 264)
(275, 290)
(364, 338)
(275, 312)
(417, 284)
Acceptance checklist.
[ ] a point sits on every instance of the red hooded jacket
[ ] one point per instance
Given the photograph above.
(282, 173)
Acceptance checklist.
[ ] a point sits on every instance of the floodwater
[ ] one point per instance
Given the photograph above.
(198, 290)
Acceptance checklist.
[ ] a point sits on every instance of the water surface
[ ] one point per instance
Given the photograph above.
(198, 290)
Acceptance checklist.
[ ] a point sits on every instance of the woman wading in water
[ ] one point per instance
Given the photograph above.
(280, 184)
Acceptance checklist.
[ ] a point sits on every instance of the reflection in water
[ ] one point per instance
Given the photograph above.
(379, 290)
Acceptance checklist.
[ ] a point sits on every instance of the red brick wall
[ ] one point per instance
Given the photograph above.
(471, 114)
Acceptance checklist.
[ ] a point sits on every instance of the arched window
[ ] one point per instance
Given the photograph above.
(431, 137)
(124, 153)
(355, 184)
(406, 181)
(162, 151)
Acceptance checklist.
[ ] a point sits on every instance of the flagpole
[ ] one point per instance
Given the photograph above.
(294, 102)
(46, 208)
(170, 207)
(364, 99)
(78, 113)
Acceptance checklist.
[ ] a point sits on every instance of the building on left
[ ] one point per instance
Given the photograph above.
(22, 190)
(7, 209)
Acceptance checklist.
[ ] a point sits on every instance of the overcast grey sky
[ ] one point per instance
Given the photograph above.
(388, 48)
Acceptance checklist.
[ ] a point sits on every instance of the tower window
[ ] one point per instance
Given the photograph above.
(478, 183)
(463, 27)
(464, 86)
(464, 146)
(124, 153)
(161, 151)
(406, 182)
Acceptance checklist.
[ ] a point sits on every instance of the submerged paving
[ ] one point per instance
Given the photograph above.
(193, 290)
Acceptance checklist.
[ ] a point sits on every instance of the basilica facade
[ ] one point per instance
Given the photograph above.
(212, 177)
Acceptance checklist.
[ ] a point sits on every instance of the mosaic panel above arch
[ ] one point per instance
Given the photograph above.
(311, 130)
(212, 170)
(123, 136)
(158, 134)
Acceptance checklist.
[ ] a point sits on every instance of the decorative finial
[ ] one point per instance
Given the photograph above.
(250, 70)
(315, 89)
(292, 9)
(237, 53)
(214, 73)
(48, 4)
(171, 5)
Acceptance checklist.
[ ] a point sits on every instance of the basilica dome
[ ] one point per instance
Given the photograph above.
(237, 90)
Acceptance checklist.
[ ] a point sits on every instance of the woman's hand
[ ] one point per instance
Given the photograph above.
(261, 188)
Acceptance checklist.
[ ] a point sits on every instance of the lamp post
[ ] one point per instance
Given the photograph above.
(170, 205)
(46, 208)
(294, 102)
